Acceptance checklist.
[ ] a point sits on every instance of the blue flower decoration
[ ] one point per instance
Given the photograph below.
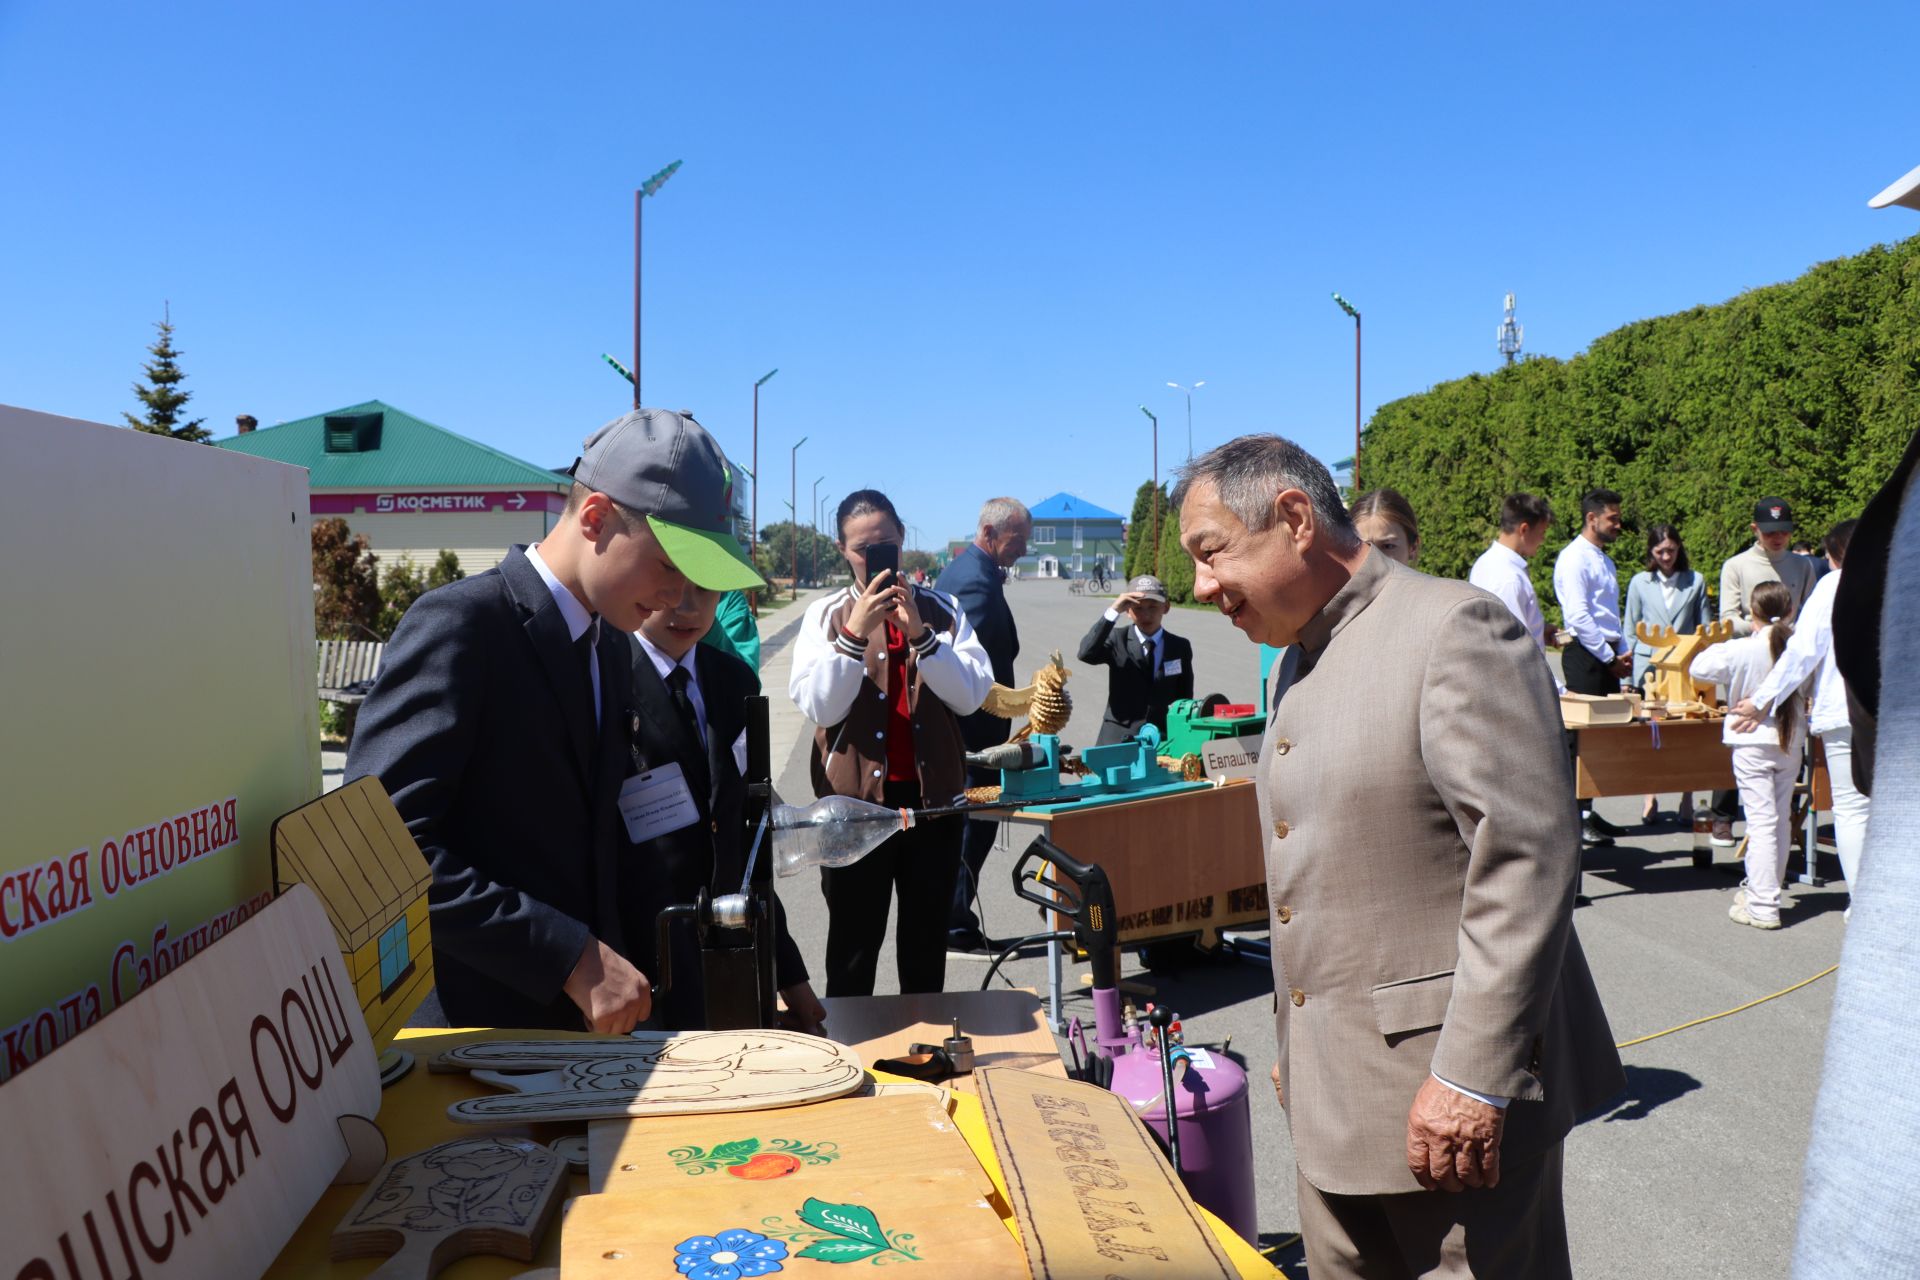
(731, 1255)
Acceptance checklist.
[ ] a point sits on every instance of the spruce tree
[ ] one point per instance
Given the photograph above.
(163, 396)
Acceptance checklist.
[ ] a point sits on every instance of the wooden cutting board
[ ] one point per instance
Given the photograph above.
(650, 1073)
(940, 1219)
(474, 1195)
(793, 1150)
(1092, 1192)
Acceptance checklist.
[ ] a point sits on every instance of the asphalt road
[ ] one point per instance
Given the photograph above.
(1695, 1173)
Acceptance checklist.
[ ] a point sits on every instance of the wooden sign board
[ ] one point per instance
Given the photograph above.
(189, 1134)
(713, 1225)
(1092, 1192)
(808, 1148)
(1230, 758)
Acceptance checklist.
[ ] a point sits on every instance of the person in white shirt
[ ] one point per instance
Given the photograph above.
(1811, 649)
(1588, 588)
(1766, 751)
(1501, 570)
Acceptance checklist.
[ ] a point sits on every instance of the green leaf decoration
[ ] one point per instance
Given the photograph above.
(854, 1221)
(836, 1249)
(736, 1152)
(811, 1152)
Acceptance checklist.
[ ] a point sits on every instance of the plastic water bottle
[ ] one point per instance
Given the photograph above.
(835, 831)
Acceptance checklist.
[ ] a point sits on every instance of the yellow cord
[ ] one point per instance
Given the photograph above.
(1274, 1250)
(1627, 1044)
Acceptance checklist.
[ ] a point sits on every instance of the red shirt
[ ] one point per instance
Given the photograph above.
(902, 766)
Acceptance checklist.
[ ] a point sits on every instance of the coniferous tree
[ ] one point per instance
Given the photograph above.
(162, 395)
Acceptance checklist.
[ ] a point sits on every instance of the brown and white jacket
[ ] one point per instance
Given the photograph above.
(841, 686)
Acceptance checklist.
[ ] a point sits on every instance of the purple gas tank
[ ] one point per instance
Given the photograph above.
(1216, 1126)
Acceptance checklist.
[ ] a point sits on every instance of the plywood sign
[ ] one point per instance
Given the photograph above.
(190, 1133)
(1230, 758)
(1092, 1192)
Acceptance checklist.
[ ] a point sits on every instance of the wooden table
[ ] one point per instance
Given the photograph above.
(1006, 1028)
(1648, 757)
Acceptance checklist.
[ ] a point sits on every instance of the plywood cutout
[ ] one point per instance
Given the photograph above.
(1669, 676)
(474, 1195)
(812, 1147)
(1092, 1192)
(761, 1228)
(652, 1074)
(351, 847)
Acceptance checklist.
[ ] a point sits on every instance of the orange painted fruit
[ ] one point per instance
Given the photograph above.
(765, 1167)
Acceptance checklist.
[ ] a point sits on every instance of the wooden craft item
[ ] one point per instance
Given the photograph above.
(712, 1225)
(574, 1148)
(473, 1195)
(394, 1065)
(651, 1073)
(810, 1147)
(1669, 677)
(231, 1074)
(1580, 710)
(1088, 1184)
(352, 848)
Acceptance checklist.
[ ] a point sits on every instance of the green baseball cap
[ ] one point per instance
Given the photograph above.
(664, 465)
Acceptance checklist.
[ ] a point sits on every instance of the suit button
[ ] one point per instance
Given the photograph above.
(1298, 997)
(714, 827)
(1284, 915)
(1281, 746)
(1280, 830)
(880, 734)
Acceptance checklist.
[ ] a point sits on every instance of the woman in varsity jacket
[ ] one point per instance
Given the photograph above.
(885, 669)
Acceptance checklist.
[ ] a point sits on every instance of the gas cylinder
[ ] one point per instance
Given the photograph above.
(1216, 1124)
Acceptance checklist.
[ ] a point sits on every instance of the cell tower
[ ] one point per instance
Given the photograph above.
(1509, 334)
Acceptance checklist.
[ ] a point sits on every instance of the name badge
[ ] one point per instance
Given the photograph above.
(657, 803)
(1171, 667)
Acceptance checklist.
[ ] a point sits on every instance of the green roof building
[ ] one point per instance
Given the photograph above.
(411, 487)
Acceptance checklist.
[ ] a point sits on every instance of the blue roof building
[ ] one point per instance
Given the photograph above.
(1069, 535)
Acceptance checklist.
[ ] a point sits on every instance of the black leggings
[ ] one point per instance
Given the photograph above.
(920, 865)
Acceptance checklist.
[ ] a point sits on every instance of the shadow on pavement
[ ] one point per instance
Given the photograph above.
(1292, 1260)
(1647, 1089)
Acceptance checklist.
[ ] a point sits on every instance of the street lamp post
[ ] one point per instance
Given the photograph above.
(647, 188)
(1189, 394)
(753, 538)
(793, 481)
(1156, 487)
(813, 552)
(1349, 308)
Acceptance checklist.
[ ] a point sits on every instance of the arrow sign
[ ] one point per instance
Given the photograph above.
(517, 501)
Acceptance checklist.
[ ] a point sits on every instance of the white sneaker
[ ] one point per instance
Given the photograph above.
(1738, 914)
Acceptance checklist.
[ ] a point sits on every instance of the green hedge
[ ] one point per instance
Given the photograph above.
(1807, 390)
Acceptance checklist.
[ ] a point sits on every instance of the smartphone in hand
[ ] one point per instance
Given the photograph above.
(881, 556)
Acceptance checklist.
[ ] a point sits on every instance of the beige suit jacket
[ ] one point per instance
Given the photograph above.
(1422, 855)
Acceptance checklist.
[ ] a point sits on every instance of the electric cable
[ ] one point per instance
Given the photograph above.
(1714, 1017)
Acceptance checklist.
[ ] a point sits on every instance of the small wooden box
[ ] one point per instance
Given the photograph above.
(1584, 710)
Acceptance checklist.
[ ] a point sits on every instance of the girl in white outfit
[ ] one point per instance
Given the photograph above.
(1766, 758)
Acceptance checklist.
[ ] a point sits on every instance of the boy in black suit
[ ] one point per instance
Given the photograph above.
(1152, 667)
(688, 709)
(498, 726)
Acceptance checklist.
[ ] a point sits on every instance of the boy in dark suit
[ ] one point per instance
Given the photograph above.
(688, 709)
(1152, 667)
(497, 725)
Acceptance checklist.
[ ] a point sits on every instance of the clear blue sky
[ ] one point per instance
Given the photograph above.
(972, 237)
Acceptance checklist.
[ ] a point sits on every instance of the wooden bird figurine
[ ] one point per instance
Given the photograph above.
(1046, 702)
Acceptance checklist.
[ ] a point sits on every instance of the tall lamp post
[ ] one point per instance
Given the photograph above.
(753, 538)
(647, 188)
(813, 551)
(793, 482)
(1189, 394)
(1156, 487)
(1349, 308)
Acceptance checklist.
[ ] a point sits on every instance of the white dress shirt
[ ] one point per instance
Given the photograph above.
(1502, 573)
(577, 618)
(1810, 648)
(665, 664)
(1588, 589)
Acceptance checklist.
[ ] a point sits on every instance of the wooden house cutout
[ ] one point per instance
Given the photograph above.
(1669, 676)
(352, 848)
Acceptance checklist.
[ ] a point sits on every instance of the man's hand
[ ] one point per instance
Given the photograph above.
(874, 605)
(1743, 716)
(1621, 667)
(803, 1011)
(614, 996)
(1125, 603)
(1279, 1094)
(1453, 1141)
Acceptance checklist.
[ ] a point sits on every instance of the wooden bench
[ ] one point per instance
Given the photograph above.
(343, 663)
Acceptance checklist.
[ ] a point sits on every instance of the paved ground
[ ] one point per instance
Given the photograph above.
(1694, 1174)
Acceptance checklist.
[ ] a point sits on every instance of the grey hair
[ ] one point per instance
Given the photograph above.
(1250, 471)
(999, 511)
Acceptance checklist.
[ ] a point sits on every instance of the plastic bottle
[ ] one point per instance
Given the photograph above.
(834, 831)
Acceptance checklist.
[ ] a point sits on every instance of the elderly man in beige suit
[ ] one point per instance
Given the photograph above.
(1439, 1032)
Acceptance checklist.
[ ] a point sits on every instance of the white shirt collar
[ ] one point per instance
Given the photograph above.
(1150, 641)
(1510, 556)
(664, 663)
(577, 617)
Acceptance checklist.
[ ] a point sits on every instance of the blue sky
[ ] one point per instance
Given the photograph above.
(971, 237)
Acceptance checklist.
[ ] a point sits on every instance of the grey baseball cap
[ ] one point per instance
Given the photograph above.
(664, 465)
(1149, 586)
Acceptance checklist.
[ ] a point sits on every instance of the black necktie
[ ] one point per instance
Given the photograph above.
(584, 652)
(697, 773)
